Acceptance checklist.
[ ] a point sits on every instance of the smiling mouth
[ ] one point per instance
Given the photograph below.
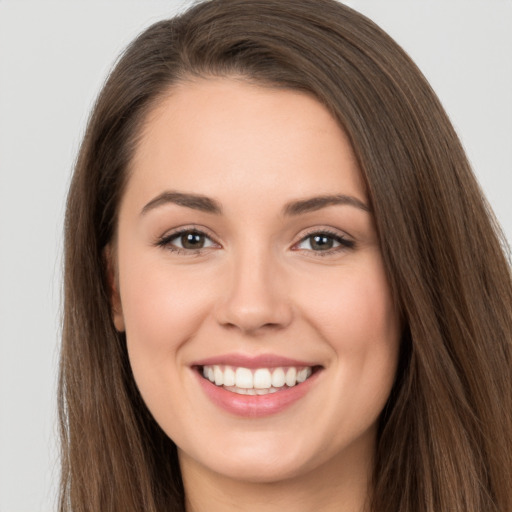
(256, 381)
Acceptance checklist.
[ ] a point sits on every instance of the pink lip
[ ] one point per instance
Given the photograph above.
(260, 361)
(255, 406)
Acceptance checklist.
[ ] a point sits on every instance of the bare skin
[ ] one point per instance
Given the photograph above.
(325, 489)
(228, 247)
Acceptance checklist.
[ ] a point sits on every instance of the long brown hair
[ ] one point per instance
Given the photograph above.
(445, 436)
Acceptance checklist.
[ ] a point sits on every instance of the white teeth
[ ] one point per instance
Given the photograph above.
(255, 382)
(219, 376)
(291, 377)
(278, 378)
(303, 374)
(243, 378)
(242, 391)
(229, 376)
(262, 378)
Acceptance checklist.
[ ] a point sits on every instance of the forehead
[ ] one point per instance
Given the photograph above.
(221, 136)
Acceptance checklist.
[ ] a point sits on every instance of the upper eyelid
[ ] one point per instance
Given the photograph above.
(186, 229)
(326, 230)
(165, 241)
(345, 241)
(335, 232)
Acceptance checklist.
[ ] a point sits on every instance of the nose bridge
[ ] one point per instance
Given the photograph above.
(255, 294)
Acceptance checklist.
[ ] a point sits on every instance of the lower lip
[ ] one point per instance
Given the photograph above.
(256, 406)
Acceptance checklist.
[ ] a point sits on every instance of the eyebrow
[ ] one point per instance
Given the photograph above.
(293, 208)
(316, 203)
(194, 201)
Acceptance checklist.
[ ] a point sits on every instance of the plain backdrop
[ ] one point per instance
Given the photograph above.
(54, 57)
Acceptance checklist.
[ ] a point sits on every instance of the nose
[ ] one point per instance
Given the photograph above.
(256, 297)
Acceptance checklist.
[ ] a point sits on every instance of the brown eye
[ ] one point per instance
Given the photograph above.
(321, 242)
(324, 242)
(192, 240)
(187, 241)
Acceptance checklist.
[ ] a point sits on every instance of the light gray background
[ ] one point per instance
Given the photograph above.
(53, 59)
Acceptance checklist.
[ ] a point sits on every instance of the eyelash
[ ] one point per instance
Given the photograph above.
(344, 243)
(166, 242)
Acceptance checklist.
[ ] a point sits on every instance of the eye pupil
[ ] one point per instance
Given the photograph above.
(321, 242)
(192, 240)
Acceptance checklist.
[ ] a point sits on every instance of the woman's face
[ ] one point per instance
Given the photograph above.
(246, 252)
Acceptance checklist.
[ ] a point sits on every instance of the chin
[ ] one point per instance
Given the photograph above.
(265, 461)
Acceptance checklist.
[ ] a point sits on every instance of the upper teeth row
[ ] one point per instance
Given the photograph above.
(261, 378)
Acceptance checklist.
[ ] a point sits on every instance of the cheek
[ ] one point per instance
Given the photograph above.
(353, 307)
(163, 308)
(355, 316)
(160, 299)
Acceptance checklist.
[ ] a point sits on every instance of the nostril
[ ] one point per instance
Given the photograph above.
(254, 329)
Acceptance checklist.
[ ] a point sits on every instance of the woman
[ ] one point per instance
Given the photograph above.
(283, 289)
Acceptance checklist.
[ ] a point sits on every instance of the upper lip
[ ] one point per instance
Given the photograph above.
(259, 361)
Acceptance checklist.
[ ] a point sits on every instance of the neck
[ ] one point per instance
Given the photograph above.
(339, 485)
